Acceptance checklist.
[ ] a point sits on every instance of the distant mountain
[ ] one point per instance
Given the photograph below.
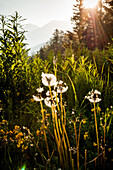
(37, 36)
(30, 27)
(36, 48)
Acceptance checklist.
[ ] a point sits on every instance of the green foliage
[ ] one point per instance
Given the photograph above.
(20, 76)
(13, 64)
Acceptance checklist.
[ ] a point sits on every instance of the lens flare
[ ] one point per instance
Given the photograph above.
(90, 3)
(22, 168)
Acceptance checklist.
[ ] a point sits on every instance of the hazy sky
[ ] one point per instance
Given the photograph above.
(39, 12)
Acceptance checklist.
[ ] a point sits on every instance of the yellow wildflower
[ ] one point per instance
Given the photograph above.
(41, 121)
(10, 131)
(98, 109)
(20, 134)
(92, 110)
(4, 121)
(18, 145)
(41, 133)
(17, 127)
(2, 131)
(83, 121)
(85, 135)
(26, 147)
(94, 144)
(18, 93)
(32, 100)
(37, 132)
(21, 142)
(109, 149)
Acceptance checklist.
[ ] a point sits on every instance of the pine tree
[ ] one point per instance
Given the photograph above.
(108, 19)
(95, 36)
(78, 19)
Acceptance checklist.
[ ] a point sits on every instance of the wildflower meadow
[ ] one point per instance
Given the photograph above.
(55, 113)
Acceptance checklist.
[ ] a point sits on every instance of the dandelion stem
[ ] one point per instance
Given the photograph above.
(96, 129)
(61, 107)
(104, 144)
(85, 157)
(75, 133)
(64, 116)
(59, 138)
(77, 142)
(42, 110)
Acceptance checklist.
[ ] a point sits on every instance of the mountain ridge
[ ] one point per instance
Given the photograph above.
(36, 35)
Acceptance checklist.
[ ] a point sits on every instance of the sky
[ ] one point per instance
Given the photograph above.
(39, 12)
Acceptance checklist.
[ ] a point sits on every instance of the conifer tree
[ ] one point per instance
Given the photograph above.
(78, 19)
(108, 19)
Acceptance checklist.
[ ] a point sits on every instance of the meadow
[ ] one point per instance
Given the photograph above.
(55, 113)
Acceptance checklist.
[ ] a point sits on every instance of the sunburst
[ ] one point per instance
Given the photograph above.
(90, 3)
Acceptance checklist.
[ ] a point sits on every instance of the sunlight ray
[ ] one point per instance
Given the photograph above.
(90, 3)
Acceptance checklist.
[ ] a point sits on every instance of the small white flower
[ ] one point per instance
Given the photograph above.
(37, 98)
(31, 144)
(93, 96)
(24, 127)
(48, 79)
(73, 112)
(40, 89)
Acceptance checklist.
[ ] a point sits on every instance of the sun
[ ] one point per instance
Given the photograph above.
(90, 3)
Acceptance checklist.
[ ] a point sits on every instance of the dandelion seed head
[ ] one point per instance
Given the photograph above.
(37, 98)
(53, 93)
(61, 87)
(60, 82)
(93, 96)
(97, 92)
(50, 102)
(48, 79)
(40, 89)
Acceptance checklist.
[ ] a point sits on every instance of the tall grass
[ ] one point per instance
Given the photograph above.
(59, 138)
